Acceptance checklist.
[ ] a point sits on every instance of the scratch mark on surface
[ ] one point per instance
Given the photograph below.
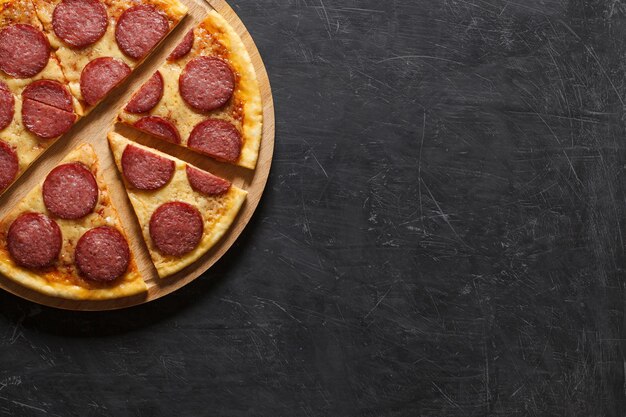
(265, 300)
(569, 161)
(328, 26)
(595, 57)
(379, 301)
(419, 170)
(444, 216)
(408, 57)
(318, 163)
(447, 398)
(24, 405)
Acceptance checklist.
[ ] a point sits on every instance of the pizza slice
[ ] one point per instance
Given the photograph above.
(36, 106)
(65, 238)
(205, 97)
(99, 42)
(183, 211)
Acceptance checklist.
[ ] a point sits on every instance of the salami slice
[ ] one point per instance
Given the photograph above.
(24, 51)
(70, 191)
(145, 170)
(102, 254)
(216, 138)
(9, 165)
(34, 241)
(49, 92)
(45, 121)
(139, 29)
(183, 48)
(80, 23)
(101, 76)
(158, 127)
(206, 183)
(206, 83)
(176, 228)
(148, 95)
(7, 106)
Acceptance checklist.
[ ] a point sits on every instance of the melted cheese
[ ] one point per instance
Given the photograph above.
(74, 60)
(27, 145)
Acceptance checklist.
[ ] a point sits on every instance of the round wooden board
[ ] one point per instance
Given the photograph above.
(93, 129)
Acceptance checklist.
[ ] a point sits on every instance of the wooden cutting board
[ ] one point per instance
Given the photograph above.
(93, 129)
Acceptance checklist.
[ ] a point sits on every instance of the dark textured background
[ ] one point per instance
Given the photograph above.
(442, 233)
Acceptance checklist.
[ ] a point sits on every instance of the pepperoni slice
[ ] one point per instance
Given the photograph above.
(139, 29)
(80, 23)
(206, 183)
(176, 228)
(158, 127)
(24, 51)
(45, 121)
(101, 76)
(148, 95)
(7, 106)
(183, 48)
(216, 138)
(102, 254)
(34, 240)
(206, 83)
(145, 170)
(9, 165)
(50, 92)
(70, 191)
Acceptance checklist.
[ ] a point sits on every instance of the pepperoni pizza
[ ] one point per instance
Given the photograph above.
(65, 238)
(99, 42)
(205, 97)
(36, 106)
(183, 211)
(58, 60)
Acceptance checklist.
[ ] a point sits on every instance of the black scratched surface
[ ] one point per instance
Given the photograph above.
(442, 233)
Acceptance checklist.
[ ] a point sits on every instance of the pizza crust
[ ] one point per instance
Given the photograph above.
(218, 212)
(247, 86)
(63, 280)
(214, 37)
